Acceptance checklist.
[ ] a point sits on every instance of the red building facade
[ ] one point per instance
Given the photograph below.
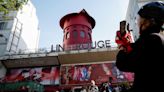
(77, 29)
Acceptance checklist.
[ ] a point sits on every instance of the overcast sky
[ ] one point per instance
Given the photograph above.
(107, 14)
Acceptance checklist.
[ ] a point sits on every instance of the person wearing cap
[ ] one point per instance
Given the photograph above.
(146, 58)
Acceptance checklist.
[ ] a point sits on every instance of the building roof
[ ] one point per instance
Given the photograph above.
(82, 12)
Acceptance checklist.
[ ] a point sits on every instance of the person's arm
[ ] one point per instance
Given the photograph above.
(118, 39)
(124, 40)
(127, 62)
(122, 62)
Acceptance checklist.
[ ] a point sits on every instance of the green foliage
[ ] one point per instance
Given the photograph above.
(11, 5)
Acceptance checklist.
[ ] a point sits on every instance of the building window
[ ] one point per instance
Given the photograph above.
(3, 25)
(89, 36)
(67, 35)
(82, 34)
(75, 34)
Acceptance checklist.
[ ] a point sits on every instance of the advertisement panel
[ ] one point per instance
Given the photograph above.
(80, 74)
(43, 75)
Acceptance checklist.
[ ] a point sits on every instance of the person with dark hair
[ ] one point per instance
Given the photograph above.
(123, 36)
(146, 58)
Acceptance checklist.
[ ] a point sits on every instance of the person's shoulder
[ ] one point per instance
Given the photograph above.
(159, 36)
(155, 38)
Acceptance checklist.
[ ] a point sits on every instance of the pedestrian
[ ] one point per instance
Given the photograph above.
(83, 89)
(93, 87)
(123, 37)
(146, 58)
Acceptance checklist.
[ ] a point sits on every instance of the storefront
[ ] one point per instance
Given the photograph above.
(65, 70)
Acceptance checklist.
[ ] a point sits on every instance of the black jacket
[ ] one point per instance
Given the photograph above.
(146, 61)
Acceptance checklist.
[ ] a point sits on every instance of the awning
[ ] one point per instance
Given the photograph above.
(60, 58)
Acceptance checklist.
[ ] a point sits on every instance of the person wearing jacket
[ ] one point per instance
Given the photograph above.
(123, 36)
(146, 59)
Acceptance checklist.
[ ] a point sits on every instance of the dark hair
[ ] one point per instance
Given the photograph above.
(123, 22)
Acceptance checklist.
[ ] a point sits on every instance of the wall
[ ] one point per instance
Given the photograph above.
(131, 17)
(30, 30)
(20, 33)
(5, 30)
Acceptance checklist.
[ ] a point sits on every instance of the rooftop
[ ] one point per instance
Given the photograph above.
(82, 12)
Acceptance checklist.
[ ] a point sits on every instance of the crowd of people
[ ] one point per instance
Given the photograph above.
(108, 87)
(104, 87)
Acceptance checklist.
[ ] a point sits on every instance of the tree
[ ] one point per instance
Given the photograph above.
(11, 5)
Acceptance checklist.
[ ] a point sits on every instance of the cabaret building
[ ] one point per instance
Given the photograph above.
(73, 64)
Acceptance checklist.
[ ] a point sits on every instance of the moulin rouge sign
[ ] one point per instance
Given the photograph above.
(93, 45)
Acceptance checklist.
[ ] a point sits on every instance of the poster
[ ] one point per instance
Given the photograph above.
(43, 75)
(80, 74)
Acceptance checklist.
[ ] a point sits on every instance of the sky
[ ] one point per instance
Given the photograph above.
(107, 14)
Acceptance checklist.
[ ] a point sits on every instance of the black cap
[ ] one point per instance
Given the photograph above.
(153, 10)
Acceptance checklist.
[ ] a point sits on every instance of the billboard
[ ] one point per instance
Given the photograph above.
(43, 75)
(81, 74)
